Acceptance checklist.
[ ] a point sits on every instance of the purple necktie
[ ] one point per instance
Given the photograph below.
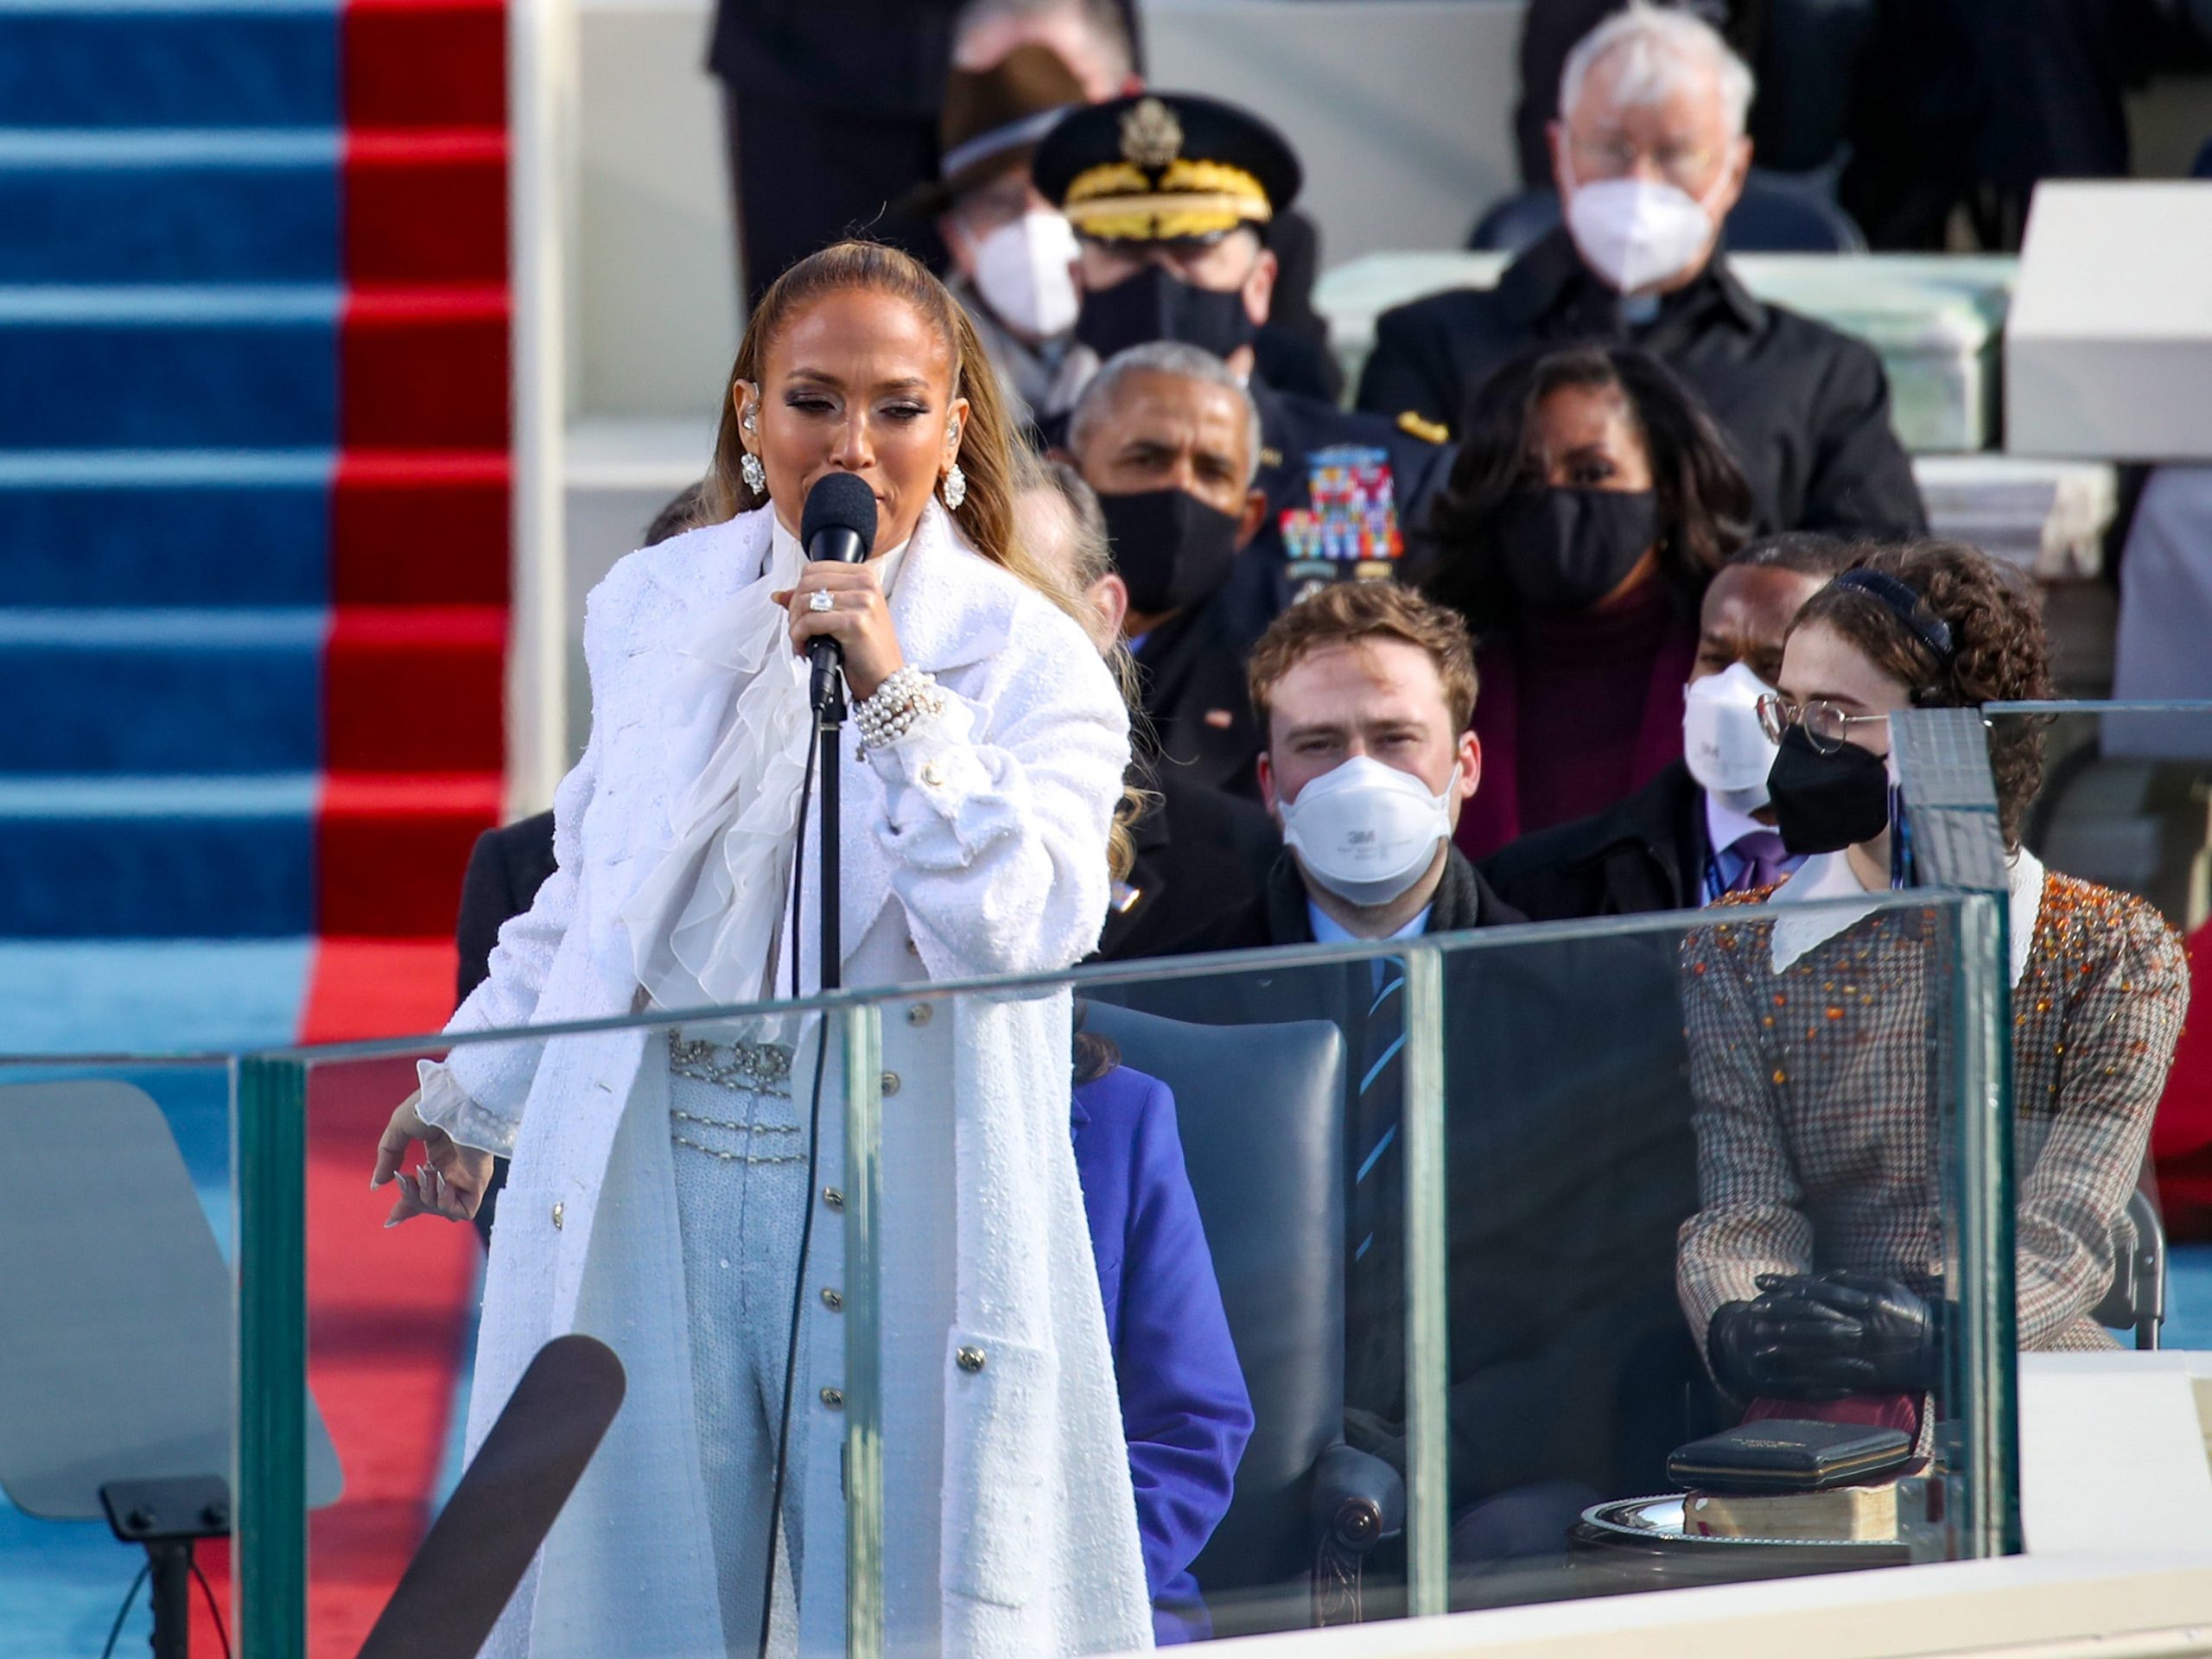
(1766, 861)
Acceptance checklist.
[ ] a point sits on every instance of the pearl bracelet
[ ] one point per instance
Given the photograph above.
(905, 695)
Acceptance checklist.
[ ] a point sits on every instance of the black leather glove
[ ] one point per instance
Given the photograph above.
(1855, 1333)
(1746, 1358)
(1761, 1348)
(1732, 1349)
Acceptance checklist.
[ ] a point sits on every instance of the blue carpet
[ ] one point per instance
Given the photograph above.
(166, 527)
(170, 690)
(168, 368)
(127, 858)
(146, 996)
(175, 208)
(148, 63)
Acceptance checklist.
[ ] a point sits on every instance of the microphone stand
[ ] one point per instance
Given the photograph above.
(830, 725)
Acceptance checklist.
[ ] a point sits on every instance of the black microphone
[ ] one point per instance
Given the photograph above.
(839, 524)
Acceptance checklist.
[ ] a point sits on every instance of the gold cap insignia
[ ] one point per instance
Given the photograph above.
(1151, 135)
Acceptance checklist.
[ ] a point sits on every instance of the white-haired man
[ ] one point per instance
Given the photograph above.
(1649, 155)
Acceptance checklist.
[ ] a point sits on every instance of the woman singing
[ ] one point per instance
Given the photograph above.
(659, 1183)
(1813, 1268)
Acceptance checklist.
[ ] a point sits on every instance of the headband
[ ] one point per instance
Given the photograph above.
(1908, 607)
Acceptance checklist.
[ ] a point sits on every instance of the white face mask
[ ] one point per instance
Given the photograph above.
(1025, 271)
(1366, 831)
(1723, 743)
(1637, 232)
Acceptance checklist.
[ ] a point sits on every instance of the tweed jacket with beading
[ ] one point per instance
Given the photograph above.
(1815, 1087)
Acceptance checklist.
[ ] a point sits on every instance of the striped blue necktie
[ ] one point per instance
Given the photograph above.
(1375, 1117)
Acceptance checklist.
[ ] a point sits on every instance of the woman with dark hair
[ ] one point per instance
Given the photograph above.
(1591, 501)
(1814, 1265)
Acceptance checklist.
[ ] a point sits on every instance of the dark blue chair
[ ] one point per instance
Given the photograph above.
(1261, 1109)
(2137, 1300)
(1773, 216)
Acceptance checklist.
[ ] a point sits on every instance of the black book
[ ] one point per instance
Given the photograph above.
(1784, 1455)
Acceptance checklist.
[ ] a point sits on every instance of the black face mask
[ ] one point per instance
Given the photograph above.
(1171, 548)
(1564, 549)
(1825, 803)
(1155, 304)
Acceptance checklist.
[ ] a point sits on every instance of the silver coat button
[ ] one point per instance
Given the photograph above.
(890, 1082)
(969, 1360)
(932, 773)
(831, 1300)
(920, 1015)
(560, 1211)
(833, 1197)
(833, 1398)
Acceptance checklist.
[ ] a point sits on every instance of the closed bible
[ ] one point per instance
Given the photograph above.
(1839, 1514)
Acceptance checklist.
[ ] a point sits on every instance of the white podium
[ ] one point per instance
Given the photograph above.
(2108, 348)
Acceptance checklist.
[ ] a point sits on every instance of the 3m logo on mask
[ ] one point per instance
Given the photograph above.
(1366, 831)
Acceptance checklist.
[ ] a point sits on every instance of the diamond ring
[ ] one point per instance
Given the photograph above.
(821, 600)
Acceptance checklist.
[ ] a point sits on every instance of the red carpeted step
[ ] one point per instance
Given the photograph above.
(424, 369)
(414, 688)
(426, 208)
(361, 989)
(390, 850)
(387, 1321)
(425, 63)
(421, 528)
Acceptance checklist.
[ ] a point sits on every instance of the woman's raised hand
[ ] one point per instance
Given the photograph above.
(858, 618)
(451, 1179)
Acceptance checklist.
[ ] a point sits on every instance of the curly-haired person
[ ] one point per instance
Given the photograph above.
(1814, 1267)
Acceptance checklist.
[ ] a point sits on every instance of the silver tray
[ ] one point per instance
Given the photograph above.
(1650, 1521)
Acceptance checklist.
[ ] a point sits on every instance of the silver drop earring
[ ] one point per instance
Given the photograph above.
(956, 487)
(754, 474)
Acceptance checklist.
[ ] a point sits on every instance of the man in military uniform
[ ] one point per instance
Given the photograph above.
(1649, 155)
(1169, 194)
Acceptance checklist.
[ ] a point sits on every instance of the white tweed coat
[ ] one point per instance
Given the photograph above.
(978, 842)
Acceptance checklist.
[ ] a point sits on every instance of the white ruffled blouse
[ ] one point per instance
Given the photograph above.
(706, 921)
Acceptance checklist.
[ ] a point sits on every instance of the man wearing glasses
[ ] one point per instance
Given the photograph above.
(1649, 155)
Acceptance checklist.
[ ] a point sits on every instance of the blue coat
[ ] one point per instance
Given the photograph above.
(1184, 1410)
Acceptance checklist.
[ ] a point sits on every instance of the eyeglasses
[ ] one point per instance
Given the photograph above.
(1689, 166)
(1825, 723)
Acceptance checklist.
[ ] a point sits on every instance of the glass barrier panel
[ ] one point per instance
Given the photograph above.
(1700, 1233)
(117, 1395)
(1028, 1262)
(1309, 1096)
(2115, 802)
(654, 1185)
(1186, 1298)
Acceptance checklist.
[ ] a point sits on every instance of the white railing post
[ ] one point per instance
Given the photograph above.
(542, 197)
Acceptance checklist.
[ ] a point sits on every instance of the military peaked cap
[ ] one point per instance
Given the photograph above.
(1160, 167)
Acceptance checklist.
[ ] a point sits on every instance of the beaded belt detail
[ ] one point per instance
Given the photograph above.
(761, 1068)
